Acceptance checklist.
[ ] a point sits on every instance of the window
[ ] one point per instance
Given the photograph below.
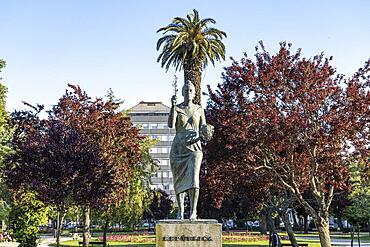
(154, 126)
(164, 150)
(166, 186)
(154, 137)
(164, 138)
(162, 126)
(154, 150)
(164, 162)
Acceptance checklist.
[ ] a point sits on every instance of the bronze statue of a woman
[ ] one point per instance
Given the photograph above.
(186, 150)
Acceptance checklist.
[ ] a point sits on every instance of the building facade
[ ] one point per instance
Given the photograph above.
(152, 119)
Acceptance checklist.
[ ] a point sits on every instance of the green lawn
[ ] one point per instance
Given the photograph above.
(232, 239)
(261, 243)
(365, 236)
(74, 243)
(236, 244)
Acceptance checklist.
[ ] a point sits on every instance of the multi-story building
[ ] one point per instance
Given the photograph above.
(152, 119)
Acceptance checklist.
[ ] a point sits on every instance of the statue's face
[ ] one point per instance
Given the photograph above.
(188, 91)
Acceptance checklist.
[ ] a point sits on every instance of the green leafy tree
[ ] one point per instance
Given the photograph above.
(2, 64)
(160, 207)
(131, 210)
(359, 210)
(25, 216)
(5, 136)
(190, 44)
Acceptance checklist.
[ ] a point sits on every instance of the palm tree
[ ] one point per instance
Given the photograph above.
(189, 44)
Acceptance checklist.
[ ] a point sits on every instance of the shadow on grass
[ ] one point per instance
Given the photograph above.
(244, 244)
(111, 244)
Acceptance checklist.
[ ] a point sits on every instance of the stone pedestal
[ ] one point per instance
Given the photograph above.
(186, 233)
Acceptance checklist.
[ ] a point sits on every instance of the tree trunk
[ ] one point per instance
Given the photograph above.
(105, 229)
(340, 223)
(77, 221)
(358, 235)
(86, 226)
(324, 233)
(289, 229)
(295, 220)
(61, 215)
(352, 235)
(305, 223)
(263, 229)
(270, 224)
(224, 221)
(193, 72)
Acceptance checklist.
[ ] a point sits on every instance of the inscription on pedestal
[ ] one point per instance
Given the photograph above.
(187, 233)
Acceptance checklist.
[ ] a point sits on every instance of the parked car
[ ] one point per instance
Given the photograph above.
(256, 224)
(229, 224)
(71, 225)
(147, 224)
(333, 226)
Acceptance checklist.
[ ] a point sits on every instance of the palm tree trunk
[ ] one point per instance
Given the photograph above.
(193, 72)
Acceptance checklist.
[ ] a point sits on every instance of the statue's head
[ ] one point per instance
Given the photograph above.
(188, 90)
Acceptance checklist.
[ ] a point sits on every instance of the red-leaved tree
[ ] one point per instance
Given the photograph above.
(287, 116)
(84, 153)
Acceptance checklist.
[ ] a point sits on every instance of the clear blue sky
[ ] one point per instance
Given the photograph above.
(111, 44)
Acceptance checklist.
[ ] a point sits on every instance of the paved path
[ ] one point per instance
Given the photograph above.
(337, 241)
(8, 244)
(45, 241)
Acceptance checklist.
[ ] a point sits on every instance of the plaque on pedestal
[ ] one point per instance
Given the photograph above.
(186, 233)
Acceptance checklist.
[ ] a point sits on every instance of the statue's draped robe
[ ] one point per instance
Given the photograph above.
(186, 155)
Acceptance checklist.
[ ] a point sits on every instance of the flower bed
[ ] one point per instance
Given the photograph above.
(147, 238)
(243, 237)
(130, 238)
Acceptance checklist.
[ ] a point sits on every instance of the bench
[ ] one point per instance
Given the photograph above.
(299, 244)
(92, 243)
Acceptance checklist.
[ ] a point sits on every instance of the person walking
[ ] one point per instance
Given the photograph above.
(275, 239)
